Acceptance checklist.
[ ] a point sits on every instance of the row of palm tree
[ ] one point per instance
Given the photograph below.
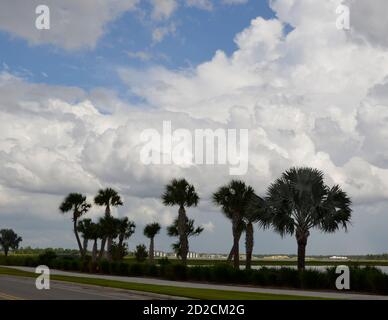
(107, 229)
(294, 204)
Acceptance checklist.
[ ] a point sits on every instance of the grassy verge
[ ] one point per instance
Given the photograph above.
(194, 293)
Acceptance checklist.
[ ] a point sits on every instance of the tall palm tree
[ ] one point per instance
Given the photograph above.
(109, 198)
(241, 228)
(191, 231)
(95, 233)
(126, 228)
(250, 217)
(109, 230)
(85, 228)
(299, 201)
(233, 199)
(76, 203)
(182, 194)
(150, 231)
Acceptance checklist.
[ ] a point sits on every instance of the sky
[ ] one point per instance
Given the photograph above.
(74, 100)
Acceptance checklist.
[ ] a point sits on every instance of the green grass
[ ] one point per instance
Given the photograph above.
(194, 293)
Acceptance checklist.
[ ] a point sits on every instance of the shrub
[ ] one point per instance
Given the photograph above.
(104, 266)
(75, 265)
(176, 271)
(141, 253)
(66, 264)
(118, 252)
(164, 261)
(136, 269)
(123, 269)
(113, 268)
(314, 279)
(196, 273)
(47, 257)
(287, 277)
(153, 270)
(222, 272)
(31, 262)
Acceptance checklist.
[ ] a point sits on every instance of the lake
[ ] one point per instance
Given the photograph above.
(319, 268)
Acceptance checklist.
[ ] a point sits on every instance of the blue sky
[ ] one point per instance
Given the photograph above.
(198, 34)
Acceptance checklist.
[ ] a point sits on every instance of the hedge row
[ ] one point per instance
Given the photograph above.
(368, 279)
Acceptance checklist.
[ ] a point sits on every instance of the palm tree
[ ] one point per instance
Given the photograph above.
(182, 194)
(85, 228)
(191, 231)
(76, 203)
(109, 198)
(299, 201)
(150, 231)
(95, 233)
(109, 230)
(250, 217)
(233, 199)
(126, 228)
(241, 228)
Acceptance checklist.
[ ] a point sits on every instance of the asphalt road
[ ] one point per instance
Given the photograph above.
(20, 288)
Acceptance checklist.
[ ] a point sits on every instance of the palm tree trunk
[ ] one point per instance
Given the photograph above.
(107, 211)
(235, 230)
(102, 249)
(94, 252)
(151, 251)
(231, 253)
(182, 223)
(77, 237)
(301, 238)
(109, 240)
(121, 240)
(86, 242)
(109, 249)
(249, 245)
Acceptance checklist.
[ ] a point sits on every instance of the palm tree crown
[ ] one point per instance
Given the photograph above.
(233, 197)
(300, 200)
(75, 202)
(181, 193)
(85, 228)
(108, 197)
(151, 230)
(191, 230)
(109, 226)
(125, 229)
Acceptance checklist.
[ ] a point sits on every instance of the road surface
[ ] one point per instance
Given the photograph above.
(20, 288)
(186, 284)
